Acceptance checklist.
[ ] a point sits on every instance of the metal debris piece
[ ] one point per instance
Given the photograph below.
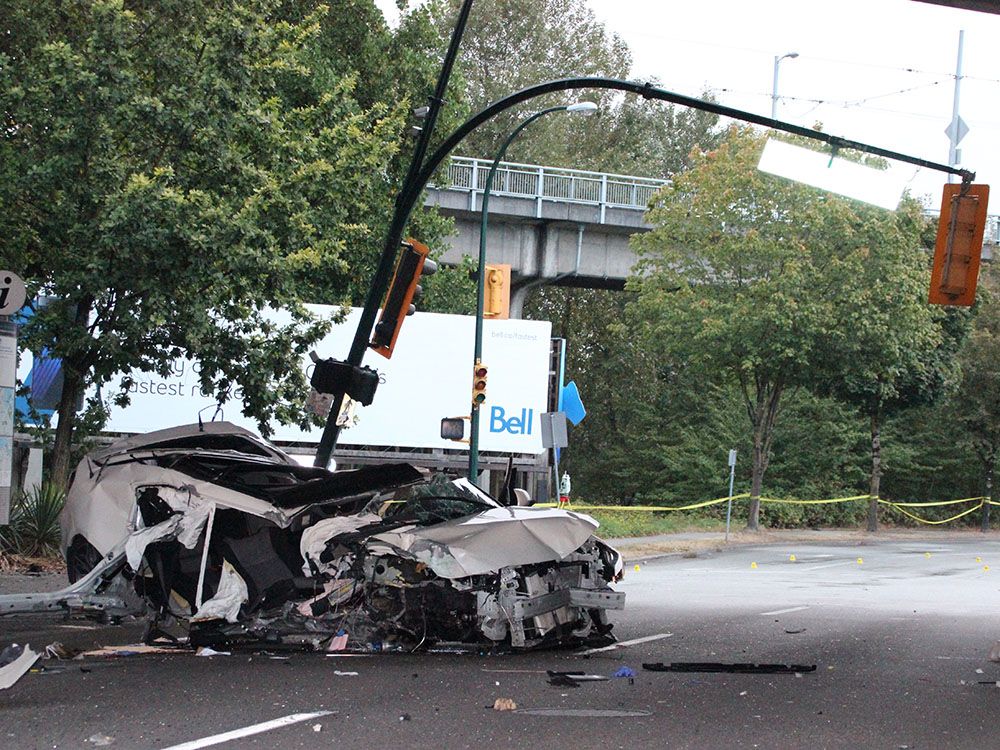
(15, 661)
(712, 666)
(588, 713)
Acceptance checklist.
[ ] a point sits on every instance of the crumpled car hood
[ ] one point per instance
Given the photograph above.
(493, 539)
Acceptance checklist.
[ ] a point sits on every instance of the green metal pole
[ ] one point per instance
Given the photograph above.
(481, 282)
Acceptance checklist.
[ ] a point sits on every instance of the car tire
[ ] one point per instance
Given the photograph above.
(81, 558)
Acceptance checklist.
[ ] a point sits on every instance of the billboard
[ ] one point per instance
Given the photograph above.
(428, 377)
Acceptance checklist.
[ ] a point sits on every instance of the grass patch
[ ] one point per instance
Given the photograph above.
(619, 523)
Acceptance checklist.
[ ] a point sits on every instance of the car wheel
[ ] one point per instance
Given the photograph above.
(81, 558)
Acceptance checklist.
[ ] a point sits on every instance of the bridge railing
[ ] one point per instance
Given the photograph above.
(542, 184)
(601, 189)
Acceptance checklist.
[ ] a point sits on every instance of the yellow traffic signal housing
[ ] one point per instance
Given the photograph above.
(479, 373)
(496, 291)
(412, 264)
(959, 244)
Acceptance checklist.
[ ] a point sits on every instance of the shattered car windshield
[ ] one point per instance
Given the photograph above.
(440, 499)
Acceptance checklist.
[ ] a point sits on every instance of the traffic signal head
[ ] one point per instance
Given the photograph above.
(479, 373)
(413, 263)
(959, 244)
(453, 428)
(496, 291)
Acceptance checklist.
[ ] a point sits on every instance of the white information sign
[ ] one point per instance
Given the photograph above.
(428, 377)
(12, 293)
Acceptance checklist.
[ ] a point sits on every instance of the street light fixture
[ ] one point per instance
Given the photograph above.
(579, 108)
(774, 86)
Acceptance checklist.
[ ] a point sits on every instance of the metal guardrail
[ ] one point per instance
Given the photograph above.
(600, 189)
(552, 184)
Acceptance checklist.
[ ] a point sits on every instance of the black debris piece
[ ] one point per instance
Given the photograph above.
(714, 666)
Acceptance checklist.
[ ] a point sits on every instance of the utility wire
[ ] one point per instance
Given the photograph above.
(832, 102)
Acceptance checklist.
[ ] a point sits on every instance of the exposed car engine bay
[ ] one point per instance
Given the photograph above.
(220, 539)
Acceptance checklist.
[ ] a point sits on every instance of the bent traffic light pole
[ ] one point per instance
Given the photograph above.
(404, 205)
(421, 172)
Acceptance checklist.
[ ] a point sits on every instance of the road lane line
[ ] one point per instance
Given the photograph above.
(784, 611)
(613, 646)
(830, 565)
(267, 726)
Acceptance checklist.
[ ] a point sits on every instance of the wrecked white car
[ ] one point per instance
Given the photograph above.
(210, 530)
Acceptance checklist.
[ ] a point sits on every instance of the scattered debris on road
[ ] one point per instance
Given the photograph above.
(15, 661)
(504, 704)
(625, 672)
(572, 679)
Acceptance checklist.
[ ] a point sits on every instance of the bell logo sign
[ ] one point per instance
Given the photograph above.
(515, 425)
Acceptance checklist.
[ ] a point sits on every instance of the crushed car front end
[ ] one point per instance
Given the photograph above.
(225, 545)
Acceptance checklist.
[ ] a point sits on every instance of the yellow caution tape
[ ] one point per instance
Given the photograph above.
(899, 506)
(934, 503)
(917, 518)
(649, 508)
(815, 502)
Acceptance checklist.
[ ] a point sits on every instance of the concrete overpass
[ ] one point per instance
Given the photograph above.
(561, 226)
(551, 225)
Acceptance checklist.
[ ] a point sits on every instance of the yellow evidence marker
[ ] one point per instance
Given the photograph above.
(791, 558)
(753, 565)
(860, 561)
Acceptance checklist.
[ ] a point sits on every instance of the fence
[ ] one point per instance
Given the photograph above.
(552, 184)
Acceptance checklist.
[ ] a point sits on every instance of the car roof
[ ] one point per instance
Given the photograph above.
(208, 435)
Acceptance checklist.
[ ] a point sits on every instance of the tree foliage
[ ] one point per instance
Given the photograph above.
(512, 44)
(171, 170)
(745, 276)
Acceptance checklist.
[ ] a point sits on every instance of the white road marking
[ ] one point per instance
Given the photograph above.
(218, 739)
(829, 565)
(784, 611)
(620, 644)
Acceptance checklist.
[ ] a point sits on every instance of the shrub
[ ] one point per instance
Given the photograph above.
(34, 523)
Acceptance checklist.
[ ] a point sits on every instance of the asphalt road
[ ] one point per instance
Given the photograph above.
(897, 639)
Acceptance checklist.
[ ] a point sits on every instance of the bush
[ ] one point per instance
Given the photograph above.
(34, 523)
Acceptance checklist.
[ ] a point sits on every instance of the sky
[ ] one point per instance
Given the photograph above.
(880, 72)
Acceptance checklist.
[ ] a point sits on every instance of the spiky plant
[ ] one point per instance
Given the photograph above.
(34, 523)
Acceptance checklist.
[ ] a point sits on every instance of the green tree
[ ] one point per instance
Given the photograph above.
(511, 44)
(890, 350)
(740, 279)
(170, 170)
(977, 402)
